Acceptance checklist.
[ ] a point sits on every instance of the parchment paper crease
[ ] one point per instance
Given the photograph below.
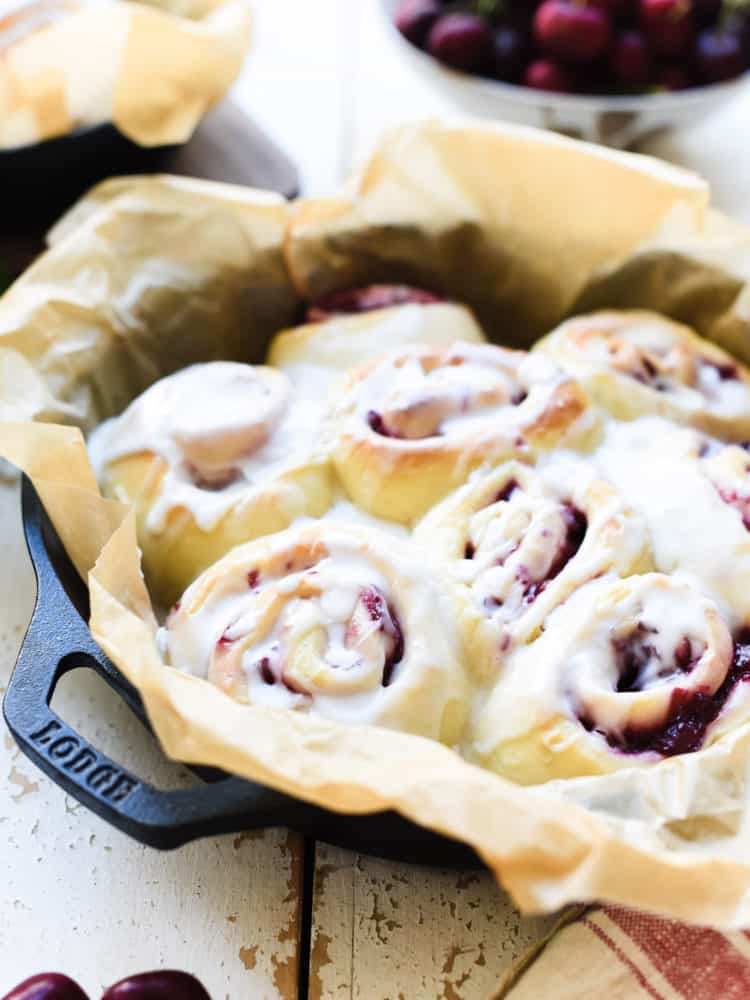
(151, 69)
(147, 275)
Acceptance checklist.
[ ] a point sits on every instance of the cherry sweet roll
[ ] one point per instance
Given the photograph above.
(410, 426)
(329, 619)
(517, 541)
(627, 672)
(211, 457)
(368, 298)
(635, 363)
(340, 342)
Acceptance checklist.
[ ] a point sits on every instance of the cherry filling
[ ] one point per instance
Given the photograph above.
(727, 371)
(635, 652)
(382, 614)
(376, 423)
(264, 669)
(690, 713)
(359, 300)
(575, 532)
(576, 525)
(507, 491)
(216, 482)
(738, 501)
(649, 375)
(470, 549)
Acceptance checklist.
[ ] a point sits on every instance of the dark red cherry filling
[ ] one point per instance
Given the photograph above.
(216, 482)
(648, 374)
(727, 371)
(738, 501)
(576, 525)
(381, 612)
(507, 491)
(690, 713)
(470, 549)
(575, 532)
(635, 652)
(376, 423)
(360, 300)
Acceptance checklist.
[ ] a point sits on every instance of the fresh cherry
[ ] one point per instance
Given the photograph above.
(707, 11)
(718, 55)
(668, 25)
(615, 8)
(160, 985)
(544, 74)
(630, 59)
(47, 986)
(512, 48)
(672, 78)
(463, 42)
(414, 18)
(571, 30)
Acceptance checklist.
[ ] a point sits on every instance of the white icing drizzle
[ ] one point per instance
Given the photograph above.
(222, 428)
(694, 533)
(663, 631)
(329, 639)
(473, 389)
(663, 357)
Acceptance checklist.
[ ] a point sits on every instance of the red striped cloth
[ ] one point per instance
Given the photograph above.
(618, 954)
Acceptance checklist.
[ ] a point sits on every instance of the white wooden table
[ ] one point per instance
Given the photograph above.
(80, 897)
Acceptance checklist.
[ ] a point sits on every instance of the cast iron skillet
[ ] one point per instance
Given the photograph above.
(48, 175)
(58, 640)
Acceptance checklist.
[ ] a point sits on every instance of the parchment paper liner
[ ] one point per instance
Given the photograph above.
(152, 72)
(148, 275)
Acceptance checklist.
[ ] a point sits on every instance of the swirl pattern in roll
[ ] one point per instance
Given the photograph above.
(517, 541)
(210, 457)
(330, 619)
(412, 425)
(626, 672)
(636, 362)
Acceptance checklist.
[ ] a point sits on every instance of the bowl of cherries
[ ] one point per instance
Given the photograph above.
(610, 71)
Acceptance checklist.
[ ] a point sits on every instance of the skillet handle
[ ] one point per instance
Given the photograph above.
(57, 641)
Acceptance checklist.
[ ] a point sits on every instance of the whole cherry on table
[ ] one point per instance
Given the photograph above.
(159, 985)
(585, 46)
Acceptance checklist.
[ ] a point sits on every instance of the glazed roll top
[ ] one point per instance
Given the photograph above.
(517, 541)
(211, 456)
(412, 425)
(635, 363)
(331, 346)
(330, 619)
(626, 671)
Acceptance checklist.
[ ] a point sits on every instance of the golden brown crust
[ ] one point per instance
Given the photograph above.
(512, 407)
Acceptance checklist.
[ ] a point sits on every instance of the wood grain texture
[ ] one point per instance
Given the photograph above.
(80, 897)
(384, 931)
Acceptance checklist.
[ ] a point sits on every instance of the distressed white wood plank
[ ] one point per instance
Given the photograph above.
(82, 898)
(385, 931)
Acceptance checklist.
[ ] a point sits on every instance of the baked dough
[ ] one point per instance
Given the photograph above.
(626, 672)
(410, 426)
(329, 619)
(209, 458)
(517, 542)
(635, 363)
(328, 349)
